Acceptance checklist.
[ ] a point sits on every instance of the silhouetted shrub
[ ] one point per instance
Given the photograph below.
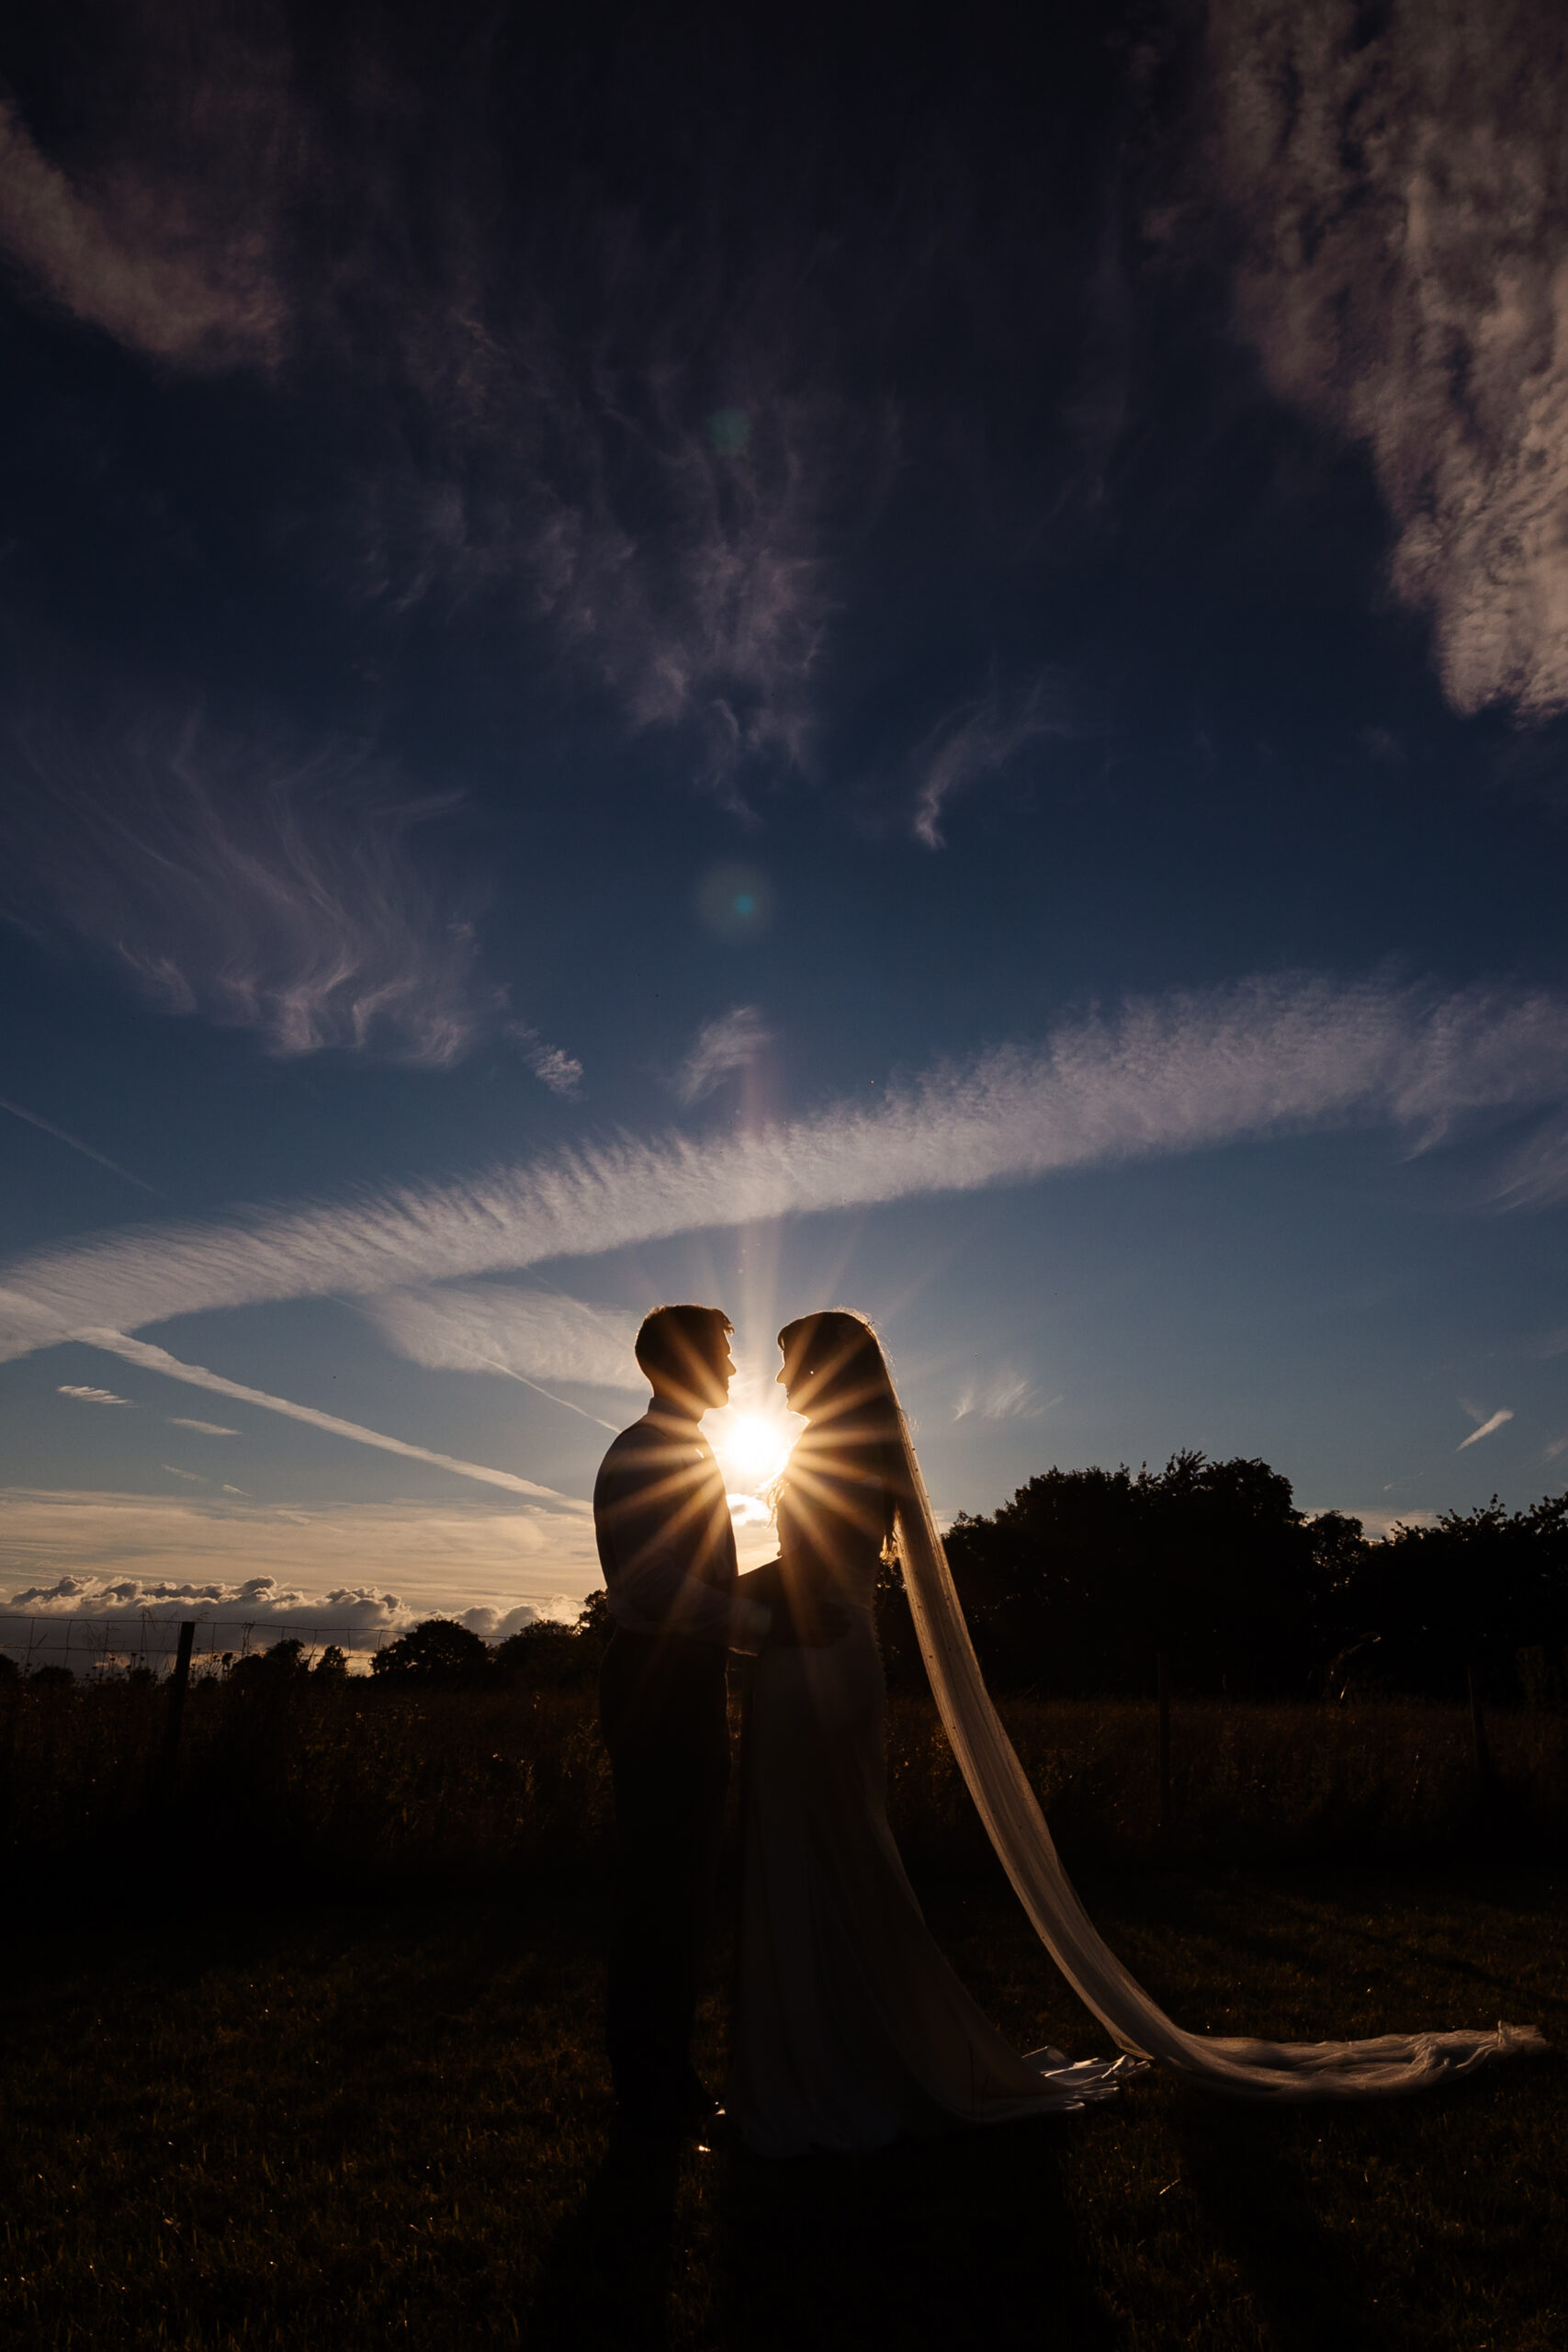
(439, 1650)
(269, 1668)
(548, 1656)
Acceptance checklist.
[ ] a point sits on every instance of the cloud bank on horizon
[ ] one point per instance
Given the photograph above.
(374, 1568)
(1191, 1073)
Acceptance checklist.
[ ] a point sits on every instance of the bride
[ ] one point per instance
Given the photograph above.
(851, 2028)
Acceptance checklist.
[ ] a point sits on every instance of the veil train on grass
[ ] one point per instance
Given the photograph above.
(1235, 2066)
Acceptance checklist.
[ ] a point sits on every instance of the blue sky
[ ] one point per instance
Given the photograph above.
(716, 665)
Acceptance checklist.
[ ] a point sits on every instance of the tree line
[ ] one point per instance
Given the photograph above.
(1074, 1586)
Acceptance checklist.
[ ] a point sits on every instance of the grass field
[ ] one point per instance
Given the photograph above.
(395, 1792)
(368, 2125)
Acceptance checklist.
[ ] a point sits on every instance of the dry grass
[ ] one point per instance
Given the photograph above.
(247, 2116)
(350, 2126)
(383, 1790)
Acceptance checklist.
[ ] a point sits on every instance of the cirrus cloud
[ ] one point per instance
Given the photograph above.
(1194, 1072)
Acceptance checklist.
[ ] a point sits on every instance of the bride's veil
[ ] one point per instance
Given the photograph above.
(1016, 1827)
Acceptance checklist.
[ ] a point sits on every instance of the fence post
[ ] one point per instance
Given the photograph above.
(1162, 1685)
(179, 1682)
(1478, 1734)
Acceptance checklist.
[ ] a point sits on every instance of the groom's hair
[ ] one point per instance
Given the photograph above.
(672, 1337)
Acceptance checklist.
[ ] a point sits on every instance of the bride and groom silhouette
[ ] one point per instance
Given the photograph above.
(851, 2030)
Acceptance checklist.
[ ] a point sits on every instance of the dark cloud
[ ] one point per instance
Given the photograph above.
(647, 338)
(1400, 183)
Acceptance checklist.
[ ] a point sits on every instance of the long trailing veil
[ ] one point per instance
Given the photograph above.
(1239, 2068)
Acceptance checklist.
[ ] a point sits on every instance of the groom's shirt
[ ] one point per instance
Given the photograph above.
(666, 1540)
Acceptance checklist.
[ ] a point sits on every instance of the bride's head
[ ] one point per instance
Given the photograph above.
(849, 1461)
(834, 1370)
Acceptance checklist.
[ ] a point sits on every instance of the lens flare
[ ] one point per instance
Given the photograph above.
(752, 1448)
(734, 901)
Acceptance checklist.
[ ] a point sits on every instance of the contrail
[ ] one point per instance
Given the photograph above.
(1486, 1428)
(77, 1145)
(496, 1365)
(141, 1352)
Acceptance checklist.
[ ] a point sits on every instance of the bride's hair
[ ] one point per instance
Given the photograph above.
(839, 1374)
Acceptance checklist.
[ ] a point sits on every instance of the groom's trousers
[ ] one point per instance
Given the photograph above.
(664, 1716)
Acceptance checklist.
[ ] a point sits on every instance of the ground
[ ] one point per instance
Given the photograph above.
(277, 2125)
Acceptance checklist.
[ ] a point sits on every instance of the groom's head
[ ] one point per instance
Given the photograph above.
(685, 1355)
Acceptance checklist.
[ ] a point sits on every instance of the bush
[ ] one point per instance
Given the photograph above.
(438, 1651)
(267, 1668)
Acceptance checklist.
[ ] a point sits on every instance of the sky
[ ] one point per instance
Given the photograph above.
(791, 663)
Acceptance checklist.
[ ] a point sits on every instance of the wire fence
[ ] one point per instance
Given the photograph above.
(99, 1647)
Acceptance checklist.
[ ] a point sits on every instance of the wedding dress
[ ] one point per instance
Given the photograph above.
(851, 2027)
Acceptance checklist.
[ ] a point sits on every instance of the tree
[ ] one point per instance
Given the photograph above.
(272, 1668)
(550, 1656)
(1477, 1589)
(438, 1650)
(332, 1663)
(1085, 1573)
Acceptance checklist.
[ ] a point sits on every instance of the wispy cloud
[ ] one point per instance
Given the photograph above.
(551, 1065)
(76, 1144)
(94, 1396)
(626, 426)
(1536, 1174)
(490, 1326)
(202, 1429)
(1398, 186)
(1189, 1072)
(1493, 1421)
(1005, 1397)
(982, 740)
(152, 1359)
(140, 242)
(732, 1042)
(263, 888)
(174, 1471)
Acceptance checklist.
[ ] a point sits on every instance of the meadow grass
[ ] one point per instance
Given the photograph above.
(358, 1787)
(359, 2124)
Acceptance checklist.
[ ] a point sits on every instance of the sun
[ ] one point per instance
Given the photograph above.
(752, 1448)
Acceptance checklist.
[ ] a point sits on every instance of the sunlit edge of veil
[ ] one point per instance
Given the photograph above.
(1239, 2068)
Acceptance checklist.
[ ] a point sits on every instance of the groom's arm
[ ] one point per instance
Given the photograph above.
(798, 1620)
(659, 1594)
(650, 1548)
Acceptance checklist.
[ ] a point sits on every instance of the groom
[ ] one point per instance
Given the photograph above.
(667, 1548)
